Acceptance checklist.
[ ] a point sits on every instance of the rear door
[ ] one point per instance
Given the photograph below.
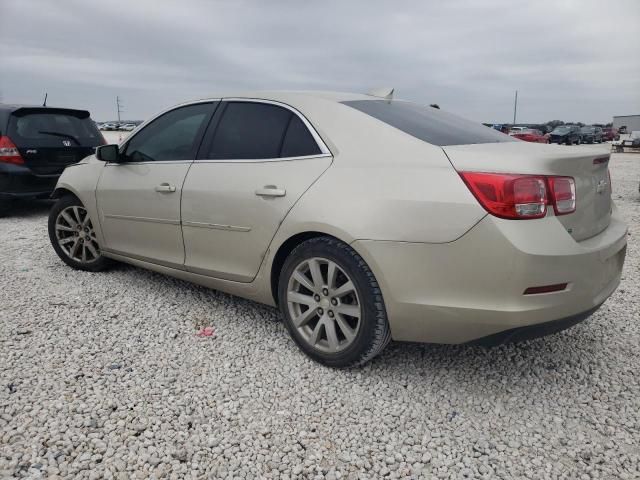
(139, 199)
(258, 158)
(49, 139)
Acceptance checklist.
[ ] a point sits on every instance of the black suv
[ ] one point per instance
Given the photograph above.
(36, 144)
(591, 134)
(567, 134)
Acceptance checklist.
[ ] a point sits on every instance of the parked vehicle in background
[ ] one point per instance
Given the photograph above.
(632, 142)
(244, 194)
(591, 134)
(622, 130)
(127, 127)
(514, 130)
(109, 127)
(36, 144)
(530, 135)
(565, 134)
(609, 134)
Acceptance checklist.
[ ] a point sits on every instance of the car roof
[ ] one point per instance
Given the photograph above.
(283, 95)
(6, 109)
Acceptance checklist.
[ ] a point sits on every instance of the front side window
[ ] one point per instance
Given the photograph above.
(172, 136)
(252, 130)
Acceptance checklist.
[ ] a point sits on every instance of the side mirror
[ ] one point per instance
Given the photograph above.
(108, 153)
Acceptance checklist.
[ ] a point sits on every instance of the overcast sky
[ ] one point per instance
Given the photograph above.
(571, 60)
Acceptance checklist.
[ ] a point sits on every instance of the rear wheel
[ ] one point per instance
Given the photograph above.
(5, 206)
(73, 237)
(332, 304)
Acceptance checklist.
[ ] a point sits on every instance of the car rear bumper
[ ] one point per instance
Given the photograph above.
(474, 287)
(17, 181)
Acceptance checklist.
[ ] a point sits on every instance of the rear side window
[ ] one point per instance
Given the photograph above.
(252, 130)
(173, 136)
(298, 141)
(429, 124)
(53, 130)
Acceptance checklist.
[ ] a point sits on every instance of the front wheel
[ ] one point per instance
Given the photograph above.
(332, 304)
(73, 237)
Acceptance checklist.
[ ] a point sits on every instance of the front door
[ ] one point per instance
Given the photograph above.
(256, 161)
(139, 198)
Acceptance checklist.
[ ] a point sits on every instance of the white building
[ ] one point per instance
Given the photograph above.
(632, 122)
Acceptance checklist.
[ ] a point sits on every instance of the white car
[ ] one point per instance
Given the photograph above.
(363, 218)
(128, 127)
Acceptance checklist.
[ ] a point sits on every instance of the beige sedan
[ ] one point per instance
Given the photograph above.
(363, 218)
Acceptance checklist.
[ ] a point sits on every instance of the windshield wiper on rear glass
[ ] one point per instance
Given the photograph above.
(59, 134)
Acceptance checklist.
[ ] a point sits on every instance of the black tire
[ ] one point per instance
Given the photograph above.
(5, 206)
(374, 333)
(97, 265)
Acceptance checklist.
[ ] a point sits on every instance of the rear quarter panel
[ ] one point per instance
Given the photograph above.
(383, 185)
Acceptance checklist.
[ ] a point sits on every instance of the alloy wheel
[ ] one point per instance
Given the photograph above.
(75, 235)
(324, 305)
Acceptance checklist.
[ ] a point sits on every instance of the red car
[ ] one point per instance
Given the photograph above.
(609, 134)
(530, 135)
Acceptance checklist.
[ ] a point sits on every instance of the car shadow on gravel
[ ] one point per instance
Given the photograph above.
(28, 208)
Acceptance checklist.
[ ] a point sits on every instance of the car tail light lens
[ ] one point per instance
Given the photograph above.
(522, 197)
(509, 196)
(563, 193)
(8, 152)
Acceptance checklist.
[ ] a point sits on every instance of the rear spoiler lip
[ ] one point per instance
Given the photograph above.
(82, 114)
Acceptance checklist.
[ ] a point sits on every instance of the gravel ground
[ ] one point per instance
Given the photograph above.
(102, 376)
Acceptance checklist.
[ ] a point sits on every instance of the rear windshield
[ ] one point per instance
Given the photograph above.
(429, 124)
(52, 129)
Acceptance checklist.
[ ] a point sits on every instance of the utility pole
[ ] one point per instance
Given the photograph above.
(118, 107)
(515, 108)
(44, 104)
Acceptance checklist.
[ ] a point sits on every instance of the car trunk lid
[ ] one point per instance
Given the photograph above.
(49, 139)
(588, 166)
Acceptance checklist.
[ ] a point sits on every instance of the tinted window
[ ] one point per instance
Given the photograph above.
(250, 130)
(298, 140)
(51, 129)
(429, 124)
(172, 136)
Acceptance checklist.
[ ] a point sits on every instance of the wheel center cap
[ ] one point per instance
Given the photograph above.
(324, 303)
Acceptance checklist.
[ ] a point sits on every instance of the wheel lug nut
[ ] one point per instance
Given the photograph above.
(316, 298)
(320, 311)
(325, 292)
(330, 313)
(334, 302)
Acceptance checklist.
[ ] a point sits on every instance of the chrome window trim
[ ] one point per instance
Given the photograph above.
(260, 160)
(154, 162)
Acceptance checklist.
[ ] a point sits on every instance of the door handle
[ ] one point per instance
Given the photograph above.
(165, 188)
(271, 191)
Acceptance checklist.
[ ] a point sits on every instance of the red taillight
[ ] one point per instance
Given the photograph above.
(563, 194)
(509, 196)
(521, 197)
(9, 153)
